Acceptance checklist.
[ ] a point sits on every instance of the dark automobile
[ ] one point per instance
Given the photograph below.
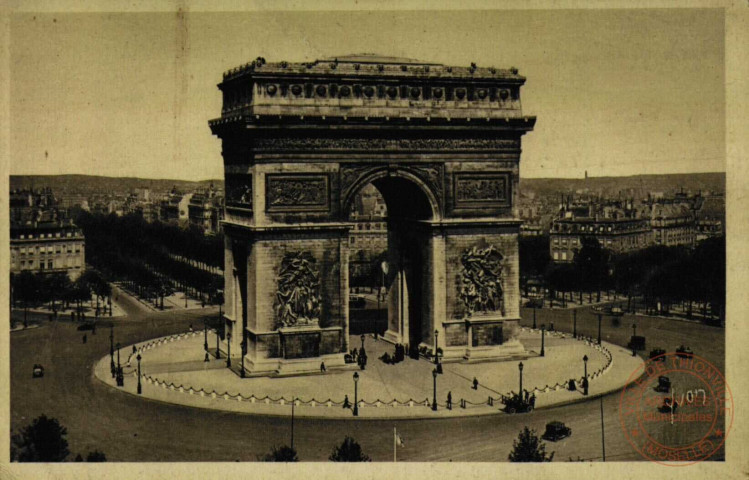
(516, 404)
(658, 354)
(86, 326)
(535, 303)
(356, 301)
(666, 406)
(37, 371)
(556, 431)
(664, 384)
(616, 311)
(684, 352)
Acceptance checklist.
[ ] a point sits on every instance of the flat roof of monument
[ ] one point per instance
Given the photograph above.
(375, 58)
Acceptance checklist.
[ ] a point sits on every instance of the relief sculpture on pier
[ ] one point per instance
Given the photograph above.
(298, 294)
(480, 287)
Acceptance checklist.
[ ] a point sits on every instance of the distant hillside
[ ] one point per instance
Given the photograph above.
(608, 186)
(92, 184)
(638, 184)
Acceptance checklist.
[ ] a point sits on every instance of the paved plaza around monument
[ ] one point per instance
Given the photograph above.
(174, 371)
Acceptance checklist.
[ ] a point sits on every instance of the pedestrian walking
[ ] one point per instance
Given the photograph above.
(346, 403)
(322, 367)
(84, 338)
(449, 400)
(475, 383)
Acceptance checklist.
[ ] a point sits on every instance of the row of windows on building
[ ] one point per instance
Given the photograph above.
(45, 235)
(71, 262)
(47, 249)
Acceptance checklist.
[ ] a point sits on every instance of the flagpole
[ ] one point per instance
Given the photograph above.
(395, 446)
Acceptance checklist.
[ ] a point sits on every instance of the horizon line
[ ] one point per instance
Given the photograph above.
(10, 176)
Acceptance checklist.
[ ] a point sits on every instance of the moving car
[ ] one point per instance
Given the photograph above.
(666, 406)
(684, 352)
(658, 354)
(38, 371)
(556, 431)
(664, 384)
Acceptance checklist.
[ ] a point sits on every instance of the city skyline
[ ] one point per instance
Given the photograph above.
(136, 102)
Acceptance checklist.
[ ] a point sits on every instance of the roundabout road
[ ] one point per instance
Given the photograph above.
(128, 428)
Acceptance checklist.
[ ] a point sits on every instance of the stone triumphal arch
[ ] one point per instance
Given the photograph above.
(441, 144)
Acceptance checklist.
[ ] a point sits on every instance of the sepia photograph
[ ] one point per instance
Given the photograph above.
(379, 235)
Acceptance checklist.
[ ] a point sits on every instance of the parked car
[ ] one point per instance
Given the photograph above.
(37, 371)
(516, 404)
(556, 431)
(684, 352)
(86, 326)
(355, 301)
(617, 311)
(658, 354)
(664, 384)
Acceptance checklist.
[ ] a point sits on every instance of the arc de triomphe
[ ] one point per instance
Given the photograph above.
(442, 144)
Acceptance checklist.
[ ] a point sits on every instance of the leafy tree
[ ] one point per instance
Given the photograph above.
(58, 285)
(42, 441)
(534, 255)
(284, 453)
(348, 451)
(529, 448)
(26, 287)
(592, 265)
(96, 456)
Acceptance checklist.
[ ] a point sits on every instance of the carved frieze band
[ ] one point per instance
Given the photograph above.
(239, 190)
(369, 144)
(297, 192)
(481, 189)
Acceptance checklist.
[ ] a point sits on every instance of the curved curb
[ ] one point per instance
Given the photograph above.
(485, 408)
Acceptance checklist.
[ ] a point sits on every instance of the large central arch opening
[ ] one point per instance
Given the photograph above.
(389, 259)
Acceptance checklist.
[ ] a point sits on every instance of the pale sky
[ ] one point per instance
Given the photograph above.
(616, 92)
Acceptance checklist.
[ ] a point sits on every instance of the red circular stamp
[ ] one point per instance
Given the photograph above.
(677, 409)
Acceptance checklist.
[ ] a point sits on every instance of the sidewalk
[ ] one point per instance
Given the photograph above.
(89, 309)
(174, 372)
(173, 302)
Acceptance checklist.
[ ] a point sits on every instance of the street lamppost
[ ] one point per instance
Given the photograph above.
(634, 334)
(228, 350)
(120, 381)
(218, 353)
(534, 316)
(574, 323)
(520, 368)
(434, 401)
(111, 349)
(634, 329)
(585, 379)
(356, 394)
(436, 334)
(205, 334)
(362, 341)
(139, 387)
(599, 329)
(543, 330)
(244, 352)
